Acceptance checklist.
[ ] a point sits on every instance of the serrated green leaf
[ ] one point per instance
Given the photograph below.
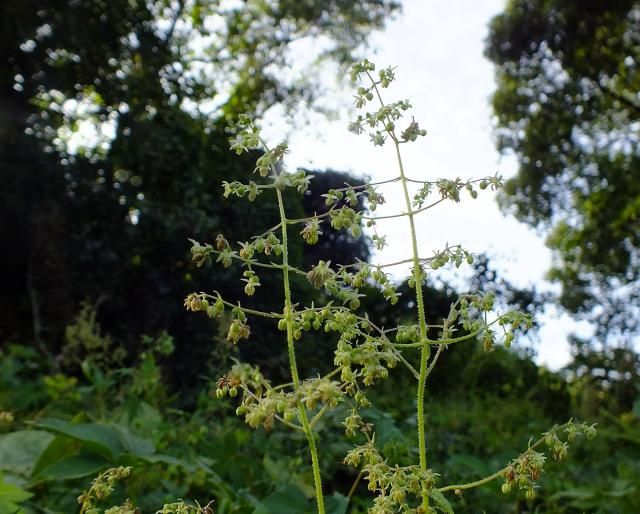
(8, 507)
(133, 444)
(112, 442)
(337, 504)
(59, 448)
(12, 493)
(77, 466)
(10, 496)
(19, 451)
(101, 439)
(288, 501)
(441, 503)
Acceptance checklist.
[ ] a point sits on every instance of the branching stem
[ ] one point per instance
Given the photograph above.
(288, 312)
(422, 322)
(499, 473)
(409, 213)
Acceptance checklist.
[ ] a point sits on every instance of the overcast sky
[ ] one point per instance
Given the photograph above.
(437, 47)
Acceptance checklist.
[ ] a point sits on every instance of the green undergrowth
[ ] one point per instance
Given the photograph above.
(406, 406)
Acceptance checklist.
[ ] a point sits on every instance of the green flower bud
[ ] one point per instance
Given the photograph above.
(508, 339)
(362, 400)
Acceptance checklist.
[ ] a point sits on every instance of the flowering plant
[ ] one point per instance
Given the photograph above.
(365, 352)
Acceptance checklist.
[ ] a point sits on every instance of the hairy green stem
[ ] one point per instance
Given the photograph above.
(451, 340)
(500, 472)
(425, 351)
(288, 312)
(253, 312)
(422, 322)
(471, 485)
(253, 262)
(403, 214)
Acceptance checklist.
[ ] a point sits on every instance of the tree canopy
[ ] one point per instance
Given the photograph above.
(567, 105)
(113, 146)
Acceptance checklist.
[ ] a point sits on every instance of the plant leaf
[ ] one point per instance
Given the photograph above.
(102, 439)
(12, 493)
(59, 448)
(20, 450)
(337, 504)
(440, 501)
(77, 466)
(288, 501)
(10, 496)
(110, 441)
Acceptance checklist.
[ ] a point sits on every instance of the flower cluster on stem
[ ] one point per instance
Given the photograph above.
(365, 352)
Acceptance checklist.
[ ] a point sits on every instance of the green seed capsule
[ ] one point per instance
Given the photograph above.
(508, 340)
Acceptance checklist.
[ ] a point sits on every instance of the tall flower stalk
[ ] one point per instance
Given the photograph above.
(365, 352)
(288, 313)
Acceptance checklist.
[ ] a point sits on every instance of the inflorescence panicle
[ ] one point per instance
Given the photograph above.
(365, 353)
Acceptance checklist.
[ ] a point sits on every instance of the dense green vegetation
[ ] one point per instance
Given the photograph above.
(567, 106)
(107, 222)
(100, 367)
(65, 428)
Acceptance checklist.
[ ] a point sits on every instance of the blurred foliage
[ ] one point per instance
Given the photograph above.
(567, 106)
(113, 146)
(65, 429)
